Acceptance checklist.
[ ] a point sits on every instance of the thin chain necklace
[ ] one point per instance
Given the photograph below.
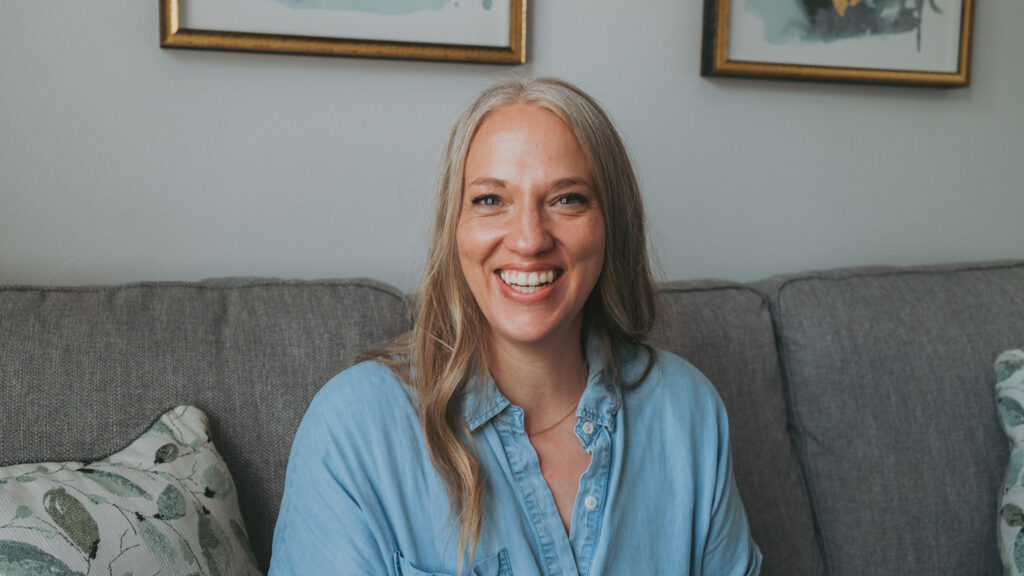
(572, 411)
(560, 420)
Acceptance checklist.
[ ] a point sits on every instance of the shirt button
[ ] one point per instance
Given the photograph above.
(588, 427)
(590, 502)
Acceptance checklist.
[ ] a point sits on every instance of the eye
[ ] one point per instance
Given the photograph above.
(572, 199)
(486, 200)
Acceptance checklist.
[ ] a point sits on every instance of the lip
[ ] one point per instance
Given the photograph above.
(533, 267)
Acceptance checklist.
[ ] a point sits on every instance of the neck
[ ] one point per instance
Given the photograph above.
(544, 381)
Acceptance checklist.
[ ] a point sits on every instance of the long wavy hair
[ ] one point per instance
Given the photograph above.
(445, 350)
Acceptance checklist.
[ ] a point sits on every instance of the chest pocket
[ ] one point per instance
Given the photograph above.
(497, 565)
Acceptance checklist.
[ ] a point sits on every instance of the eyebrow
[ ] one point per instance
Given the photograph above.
(490, 182)
(569, 183)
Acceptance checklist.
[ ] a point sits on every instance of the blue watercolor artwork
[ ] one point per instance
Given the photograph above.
(375, 6)
(808, 21)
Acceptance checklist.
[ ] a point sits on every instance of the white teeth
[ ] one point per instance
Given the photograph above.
(527, 282)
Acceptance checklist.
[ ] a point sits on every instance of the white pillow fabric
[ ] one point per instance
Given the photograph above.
(1010, 399)
(165, 504)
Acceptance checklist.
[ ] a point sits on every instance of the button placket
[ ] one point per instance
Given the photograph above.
(532, 488)
(588, 518)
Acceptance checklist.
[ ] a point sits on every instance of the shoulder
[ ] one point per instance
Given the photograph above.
(367, 385)
(675, 384)
(670, 374)
(359, 402)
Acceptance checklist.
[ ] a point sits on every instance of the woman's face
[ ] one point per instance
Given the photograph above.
(531, 232)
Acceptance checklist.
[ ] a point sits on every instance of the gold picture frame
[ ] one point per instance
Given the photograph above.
(174, 35)
(718, 59)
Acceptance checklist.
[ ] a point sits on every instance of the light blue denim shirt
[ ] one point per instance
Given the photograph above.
(362, 497)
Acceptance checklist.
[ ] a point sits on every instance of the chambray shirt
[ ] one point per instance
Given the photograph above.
(362, 497)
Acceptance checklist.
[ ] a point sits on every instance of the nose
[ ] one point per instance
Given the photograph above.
(530, 234)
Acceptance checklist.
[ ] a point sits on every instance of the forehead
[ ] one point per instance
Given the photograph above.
(520, 117)
(524, 140)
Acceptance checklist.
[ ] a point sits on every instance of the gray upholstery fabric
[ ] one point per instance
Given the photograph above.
(84, 371)
(725, 330)
(890, 385)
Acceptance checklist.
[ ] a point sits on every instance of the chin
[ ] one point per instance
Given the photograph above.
(533, 333)
(529, 338)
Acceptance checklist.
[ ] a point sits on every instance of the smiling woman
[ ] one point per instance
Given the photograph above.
(534, 307)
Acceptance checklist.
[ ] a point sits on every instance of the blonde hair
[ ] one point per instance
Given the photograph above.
(444, 350)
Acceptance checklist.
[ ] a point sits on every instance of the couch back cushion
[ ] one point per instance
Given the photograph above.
(725, 330)
(84, 371)
(890, 385)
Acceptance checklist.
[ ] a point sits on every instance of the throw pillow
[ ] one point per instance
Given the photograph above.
(1010, 399)
(166, 504)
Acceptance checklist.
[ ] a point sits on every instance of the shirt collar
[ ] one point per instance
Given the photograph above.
(599, 403)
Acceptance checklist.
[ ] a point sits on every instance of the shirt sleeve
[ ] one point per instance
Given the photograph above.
(730, 548)
(321, 528)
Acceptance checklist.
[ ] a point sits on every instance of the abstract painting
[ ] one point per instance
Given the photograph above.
(460, 30)
(922, 42)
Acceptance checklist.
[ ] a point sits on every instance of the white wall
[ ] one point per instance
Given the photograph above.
(121, 161)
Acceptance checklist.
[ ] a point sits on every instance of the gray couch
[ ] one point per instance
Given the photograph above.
(861, 402)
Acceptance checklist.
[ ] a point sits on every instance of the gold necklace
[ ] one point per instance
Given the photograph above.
(560, 420)
(586, 369)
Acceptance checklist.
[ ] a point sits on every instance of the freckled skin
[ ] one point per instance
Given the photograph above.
(530, 222)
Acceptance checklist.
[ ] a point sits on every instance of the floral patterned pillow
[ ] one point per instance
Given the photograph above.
(165, 505)
(1010, 399)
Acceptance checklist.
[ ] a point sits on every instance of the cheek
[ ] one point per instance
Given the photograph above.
(593, 243)
(472, 253)
(475, 241)
(596, 258)
(464, 245)
(599, 242)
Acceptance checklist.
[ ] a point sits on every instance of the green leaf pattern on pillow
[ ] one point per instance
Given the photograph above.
(1009, 370)
(164, 505)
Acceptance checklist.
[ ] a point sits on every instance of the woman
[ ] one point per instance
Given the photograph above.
(522, 427)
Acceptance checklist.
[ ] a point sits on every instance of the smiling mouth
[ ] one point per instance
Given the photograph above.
(528, 282)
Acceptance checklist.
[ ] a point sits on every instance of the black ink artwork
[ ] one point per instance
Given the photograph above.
(829, 20)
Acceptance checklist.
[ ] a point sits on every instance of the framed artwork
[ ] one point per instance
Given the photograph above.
(913, 42)
(458, 30)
